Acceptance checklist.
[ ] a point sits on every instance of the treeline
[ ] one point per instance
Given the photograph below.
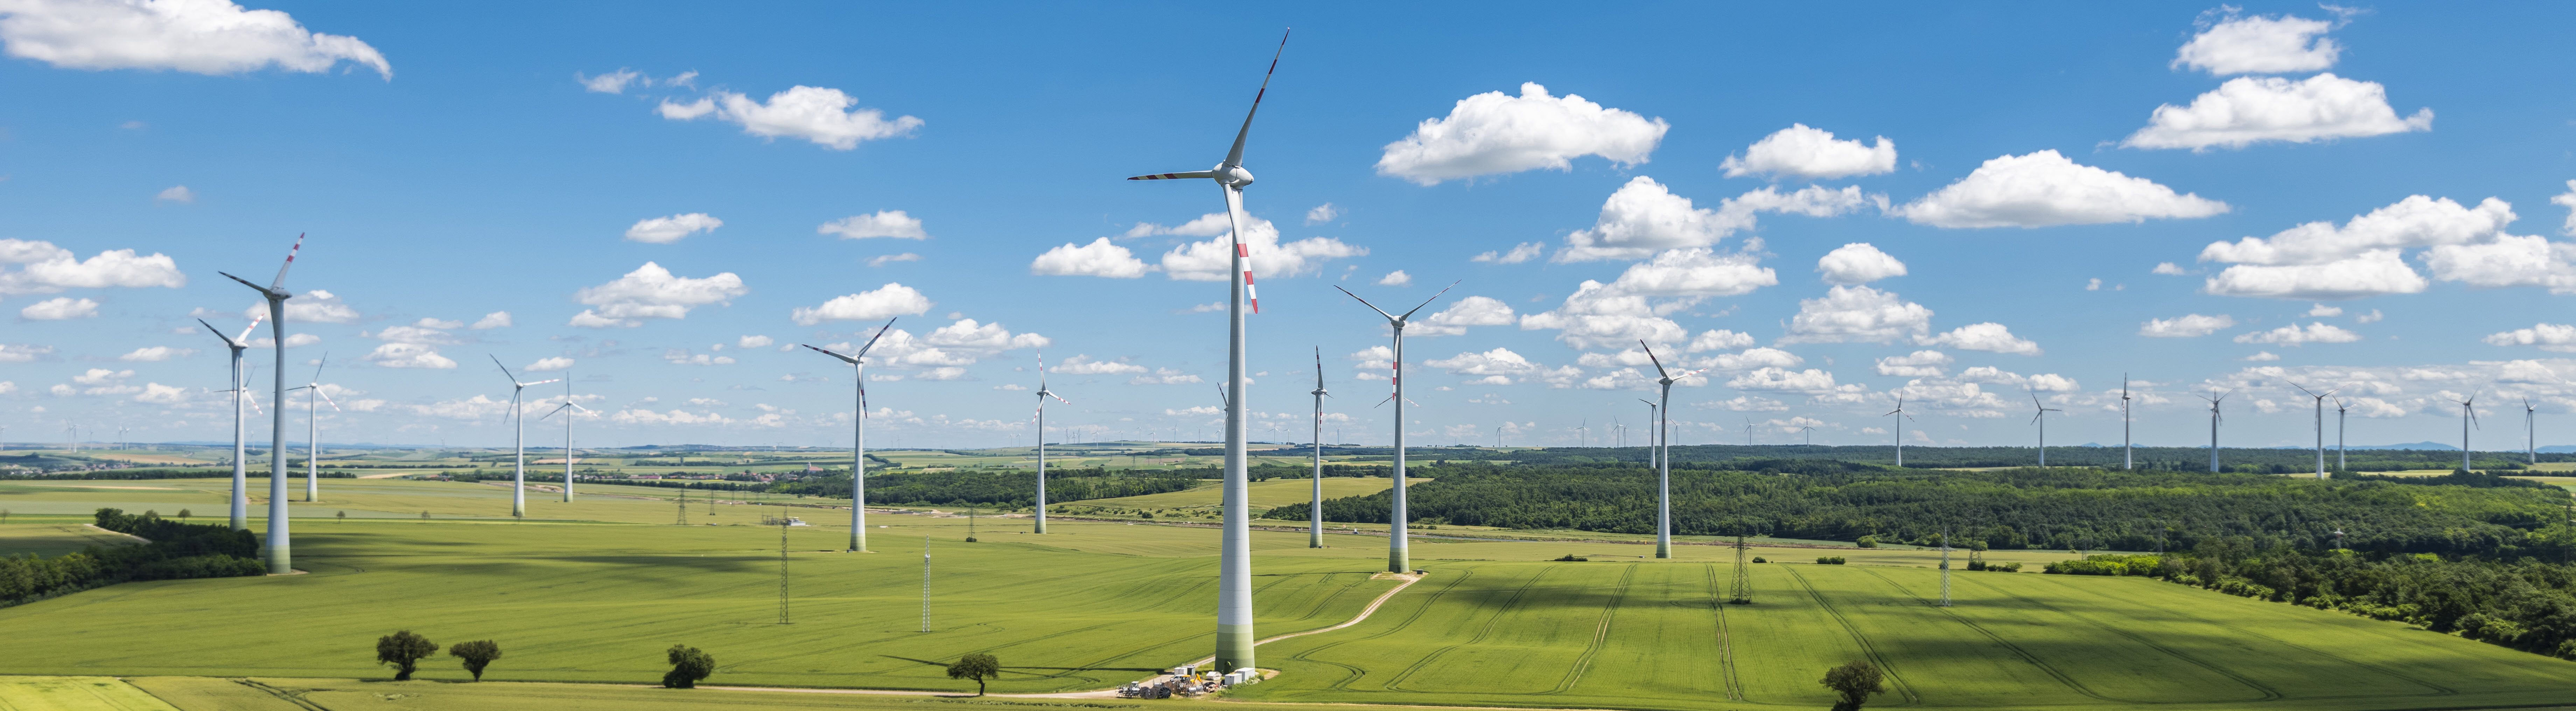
(2055, 508)
(2240, 460)
(2521, 596)
(176, 551)
(116, 474)
(1004, 489)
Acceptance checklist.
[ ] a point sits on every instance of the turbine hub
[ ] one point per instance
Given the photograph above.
(1234, 175)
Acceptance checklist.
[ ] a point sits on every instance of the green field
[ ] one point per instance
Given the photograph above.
(592, 592)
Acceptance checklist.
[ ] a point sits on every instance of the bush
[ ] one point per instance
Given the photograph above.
(1854, 681)
(477, 655)
(978, 666)
(1829, 560)
(1570, 558)
(1994, 567)
(1758, 559)
(404, 650)
(688, 665)
(2107, 564)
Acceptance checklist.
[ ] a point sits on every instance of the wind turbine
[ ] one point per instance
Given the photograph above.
(568, 404)
(1811, 434)
(1399, 555)
(2340, 408)
(1664, 463)
(2040, 418)
(859, 459)
(1653, 454)
(2530, 433)
(1583, 433)
(1748, 430)
(1234, 577)
(1315, 505)
(2214, 398)
(277, 549)
(1902, 418)
(313, 432)
(2321, 425)
(2126, 460)
(518, 439)
(1043, 394)
(2468, 418)
(241, 476)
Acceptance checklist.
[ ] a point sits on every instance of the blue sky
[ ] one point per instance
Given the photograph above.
(1705, 168)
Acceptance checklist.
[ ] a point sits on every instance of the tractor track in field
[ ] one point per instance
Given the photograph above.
(2026, 656)
(1600, 634)
(1857, 638)
(1355, 672)
(1508, 604)
(1725, 639)
(2438, 690)
(2269, 693)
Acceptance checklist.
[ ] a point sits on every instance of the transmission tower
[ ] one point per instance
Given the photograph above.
(782, 570)
(1945, 567)
(684, 507)
(1741, 591)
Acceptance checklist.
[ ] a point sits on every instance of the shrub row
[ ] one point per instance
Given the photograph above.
(176, 551)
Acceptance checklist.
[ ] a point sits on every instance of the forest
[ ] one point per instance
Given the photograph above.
(996, 488)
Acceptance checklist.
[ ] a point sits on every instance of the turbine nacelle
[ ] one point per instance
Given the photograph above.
(1232, 176)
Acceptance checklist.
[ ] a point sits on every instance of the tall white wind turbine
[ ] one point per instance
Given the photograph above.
(859, 459)
(576, 409)
(518, 439)
(1043, 394)
(277, 549)
(2321, 426)
(241, 474)
(1653, 454)
(1664, 460)
(1234, 575)
(313, 432)
(1902, 418)
(1315, 505)
(1399, 554)
(2041, 418)
(2530, 432)
(2468, 418)
(2214, 397)
(2126, 460)
(2340, 409)
(1583, 433)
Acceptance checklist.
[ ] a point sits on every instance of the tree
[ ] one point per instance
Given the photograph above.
(183, 515)
(978, 666)
(404, 650)
(688, 665)
(1855, 681)
(344, 515)
(477, 655)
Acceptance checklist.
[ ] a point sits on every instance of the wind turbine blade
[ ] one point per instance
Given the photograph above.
(279, 286)
(1650, 357)
(1434, 297)
(844, 359)
(872, 340)
(1059, 398)
(326, 398)
(1691, 373)
(577, 406)
(317, 368)
(1234, 157)
(1177, 176)
(244, 339)
(1372, 307)
(542, 382)
(244, 282)
(505, 370)
(218, 334)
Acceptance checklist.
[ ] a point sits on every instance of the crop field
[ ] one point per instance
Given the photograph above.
(586, 598)
(1264, 495)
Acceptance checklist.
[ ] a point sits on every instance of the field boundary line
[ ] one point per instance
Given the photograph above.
(1466, 573)
(1725, 638)
(2034, 660)
(115, 534)
(1857, 638)
(2269, 693)
(1409, 580)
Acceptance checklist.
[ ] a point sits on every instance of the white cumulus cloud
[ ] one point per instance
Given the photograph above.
(548, 364)
(45, 269)
(196, 36)
(1101, 258)
(652, 292)
(1470, 311)
(1493, 133)
(2292, 335)
(1213, 259)
(155, 354)
(59, 309)
(883, 302)
(2246, 110)
(884, 223)
(1495, 367)
(1988, 336)
(666, 230)
(1812, 154)
(2259, 45)
(1643, 216)
(1322, 214)
(2363, 257)
(1396, 278)
(496, 319)
(2046, 189)
(1858, 263)
(2186, 326)
(1526, 251)
(2559, 338)
(816, 114)
(1856, 314)
(176, 193)
(1919, 364)
(409, 355)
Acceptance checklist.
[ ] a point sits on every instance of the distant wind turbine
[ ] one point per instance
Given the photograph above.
(1664, 462)
(518, 439)
(1653, 453)
(2215, 397)
(2468, 418)
(277, 549)
(1315, 505)
(2321, 425)
(1399, 554)
(2127, 461)
(1902, 418)
(1583, 433)
(240, 383)
(576, 408)
(1043, 394)
(2340, 408)
(2041, 418)
(859, 460)
(1811, 434)
(2530, 432)
(1234, 638)
(313, 432)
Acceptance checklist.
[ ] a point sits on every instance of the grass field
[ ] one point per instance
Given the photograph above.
(49, 539)
(595, 601)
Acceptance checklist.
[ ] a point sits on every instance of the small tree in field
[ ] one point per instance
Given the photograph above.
(183, 515)
(1855, 681)
(404, 650)
(688, 665)
(978, 666)
(477, 655)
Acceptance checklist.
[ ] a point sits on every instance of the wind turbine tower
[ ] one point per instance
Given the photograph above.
(2214, 398)
(313, 432)
(1653, 453)
(277, 549)
(1399, 553)
(2468, 418)
(1234, 577)
(1664, 463)
(1315, 504)
(1043, 394)
(859, 463)
(241, 474)
(2127, 461)
(2040, 418)
(518, 440)
(2530, 432)
(2340, 408)
(1902, 418)
(2321, 426)
(568, 404)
